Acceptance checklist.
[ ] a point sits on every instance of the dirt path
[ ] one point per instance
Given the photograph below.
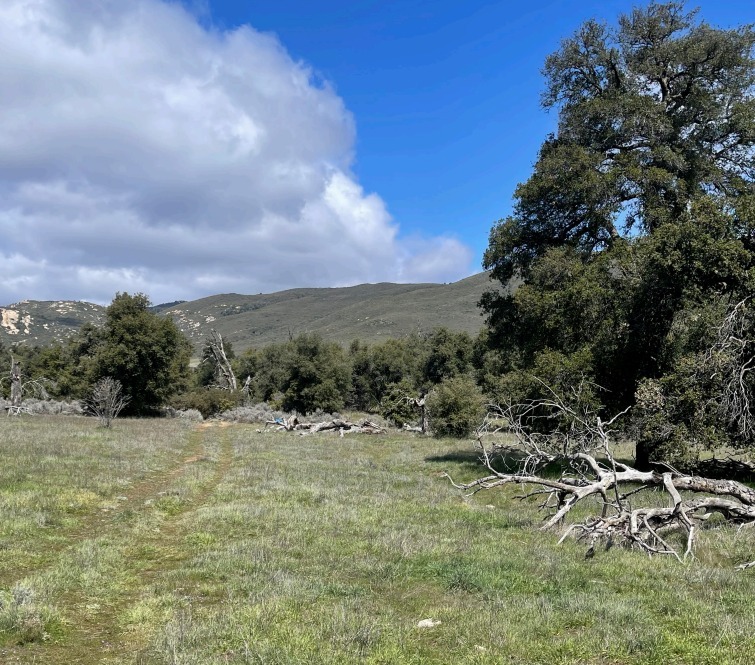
(95, 636)
(100, 521)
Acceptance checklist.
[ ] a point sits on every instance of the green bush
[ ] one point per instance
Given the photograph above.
(455, 407)
(397, 406)
(209, 402)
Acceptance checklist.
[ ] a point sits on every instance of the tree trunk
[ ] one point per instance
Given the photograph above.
(642, 456)
(16, 394)
(224, 372)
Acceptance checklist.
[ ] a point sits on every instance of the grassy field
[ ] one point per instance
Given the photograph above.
(161, 542)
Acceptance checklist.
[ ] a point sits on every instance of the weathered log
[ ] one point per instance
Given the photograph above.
(342, 426)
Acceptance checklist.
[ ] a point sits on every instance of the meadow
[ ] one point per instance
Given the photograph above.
(163, 542)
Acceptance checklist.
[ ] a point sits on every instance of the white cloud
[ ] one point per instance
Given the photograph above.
(140, 151)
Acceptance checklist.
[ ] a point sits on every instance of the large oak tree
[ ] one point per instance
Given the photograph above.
(638, 222)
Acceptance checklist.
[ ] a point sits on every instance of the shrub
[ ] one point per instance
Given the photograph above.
(190, 415)
(259, 413)
(209, 402)
(396, 405)
(106, 400)
(455, 407)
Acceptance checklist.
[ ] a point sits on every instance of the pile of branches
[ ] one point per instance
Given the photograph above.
(292, 424)
(572, 462)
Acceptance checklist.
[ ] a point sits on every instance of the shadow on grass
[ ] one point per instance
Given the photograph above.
(506, 460)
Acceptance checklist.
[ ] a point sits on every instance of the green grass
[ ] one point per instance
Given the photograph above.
(233, 546)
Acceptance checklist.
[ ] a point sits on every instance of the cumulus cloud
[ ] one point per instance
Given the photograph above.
(140, 151)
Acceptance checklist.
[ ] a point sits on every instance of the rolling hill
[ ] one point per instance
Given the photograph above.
(369, 312)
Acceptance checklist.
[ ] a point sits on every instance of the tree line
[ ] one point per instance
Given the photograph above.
(150, 358)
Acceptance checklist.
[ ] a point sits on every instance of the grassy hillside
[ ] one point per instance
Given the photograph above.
(158, 542)
(43, 322)
(370, 312)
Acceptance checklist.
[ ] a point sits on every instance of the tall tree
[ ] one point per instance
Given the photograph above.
(653, 114)
(639, 217)
(145, 352)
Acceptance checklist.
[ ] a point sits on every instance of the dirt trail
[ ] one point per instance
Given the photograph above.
(95, 637)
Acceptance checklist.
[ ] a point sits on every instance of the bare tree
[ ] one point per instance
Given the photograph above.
(730, 363)
(16, 392)
(624, 512)
(224, 374)
(106, 400)
(21, 387)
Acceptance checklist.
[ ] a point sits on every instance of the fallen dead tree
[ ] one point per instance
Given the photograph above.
(292, 424)
(657, 512)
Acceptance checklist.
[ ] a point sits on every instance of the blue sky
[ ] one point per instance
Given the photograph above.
(445, 93)
(185, 148)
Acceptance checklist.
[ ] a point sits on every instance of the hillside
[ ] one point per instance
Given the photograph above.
(43, 322)
(370, 312)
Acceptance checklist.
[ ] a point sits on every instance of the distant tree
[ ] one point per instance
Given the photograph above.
(271, 364)
(455, 407)
(377, 367)
(403, 405)
(317, 375)
(145, 352)
(304, 374)
(448, 354)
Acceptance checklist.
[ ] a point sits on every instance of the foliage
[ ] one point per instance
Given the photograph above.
(145, 352)
(398, 404)
(208, 401)
(635, 231)
(318, 375)
(245, 365)
(377, 368)
(305, 374)
(653, 114)
(448, 355)
(455, 407)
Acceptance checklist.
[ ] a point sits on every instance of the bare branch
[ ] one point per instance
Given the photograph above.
(223, 371)
(107, 400)
(580, 443)
(730, 361)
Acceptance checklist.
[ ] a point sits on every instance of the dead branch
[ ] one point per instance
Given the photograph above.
(224, 374)
(580, 445)
(730, 362)
(292, 424)
(21, 388)
(419, 403)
